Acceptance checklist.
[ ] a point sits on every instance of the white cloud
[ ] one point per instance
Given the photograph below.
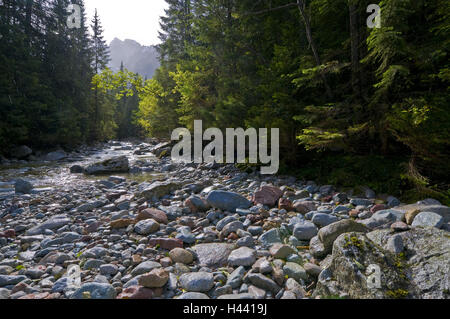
(128, 19)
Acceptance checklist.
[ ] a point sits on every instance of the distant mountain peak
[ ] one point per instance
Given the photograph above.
(135, 57)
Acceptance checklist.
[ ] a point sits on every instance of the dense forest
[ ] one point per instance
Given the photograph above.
(355, 105)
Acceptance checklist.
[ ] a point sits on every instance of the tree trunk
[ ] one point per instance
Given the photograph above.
(305, 18)
(354, 37)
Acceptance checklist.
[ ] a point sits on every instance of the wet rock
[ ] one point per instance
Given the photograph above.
(113, 165)
(56, 156)
(76, 169)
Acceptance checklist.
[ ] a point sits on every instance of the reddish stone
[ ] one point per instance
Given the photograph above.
(326, 199)
(285, 203)
(115, 195)
(55, 295)
(354, 213)
(267, 195)
(92, 228)
(139, 292)
(165, 202)
(21, 286)
(152, 213)
(9, 233)
(121, 223)
(86, 238)
(304, 207)
(233, 236)
(166, 243)
(187, 221)
(377, 207)
(43, 295)
(137, 259)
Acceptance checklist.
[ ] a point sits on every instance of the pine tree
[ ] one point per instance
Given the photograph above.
(100, 60)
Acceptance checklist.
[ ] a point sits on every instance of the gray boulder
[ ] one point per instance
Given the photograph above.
(227, 201)
(22, 186)
(113, 165)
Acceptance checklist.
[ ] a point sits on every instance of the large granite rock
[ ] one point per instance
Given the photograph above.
(420, 270)
(328, 234)
(442, 210)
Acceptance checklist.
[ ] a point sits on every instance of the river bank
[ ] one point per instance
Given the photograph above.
(160, 229)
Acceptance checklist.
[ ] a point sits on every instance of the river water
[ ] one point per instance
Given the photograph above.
(56, 174)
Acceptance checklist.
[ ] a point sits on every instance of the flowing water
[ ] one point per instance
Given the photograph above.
(56, 174)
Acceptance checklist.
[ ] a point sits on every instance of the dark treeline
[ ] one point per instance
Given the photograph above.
(353, 104)
(47, 97)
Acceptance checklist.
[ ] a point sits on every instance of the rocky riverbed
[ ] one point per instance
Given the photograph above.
(140, 226)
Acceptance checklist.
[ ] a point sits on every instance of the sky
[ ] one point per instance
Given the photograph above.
(128, 19)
